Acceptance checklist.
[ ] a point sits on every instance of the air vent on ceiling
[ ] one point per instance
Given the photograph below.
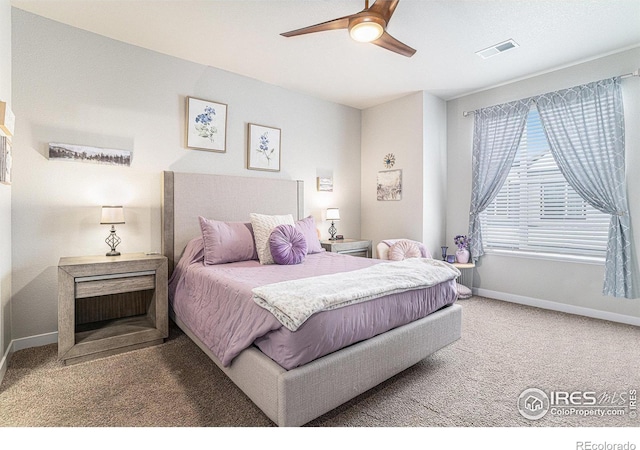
(498, 48)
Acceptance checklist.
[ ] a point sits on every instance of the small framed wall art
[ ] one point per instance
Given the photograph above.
(7, 120)
(206, 125)
(325, 184)
(389, 185)
(5, 160)
(263, 148)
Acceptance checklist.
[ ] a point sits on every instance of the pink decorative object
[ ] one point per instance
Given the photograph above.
(404, 249)
(462, 256)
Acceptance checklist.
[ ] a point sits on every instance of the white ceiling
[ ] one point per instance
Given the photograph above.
(243, 37)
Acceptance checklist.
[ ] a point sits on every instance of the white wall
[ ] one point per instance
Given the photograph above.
(412, 128)
(5, 190)
(75, 87)
(572, 284)
(434, 173)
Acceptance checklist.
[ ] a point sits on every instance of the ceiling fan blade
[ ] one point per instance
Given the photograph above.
(335, 24)
(390, 43)
(385, 8)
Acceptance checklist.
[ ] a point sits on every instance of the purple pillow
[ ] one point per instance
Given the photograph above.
(287, 244)
(307, 227)
(226, 242)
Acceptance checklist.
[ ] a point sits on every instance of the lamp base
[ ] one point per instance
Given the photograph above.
(112, 241)
(332, 232)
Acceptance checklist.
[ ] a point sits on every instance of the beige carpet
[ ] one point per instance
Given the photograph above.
(475, 382)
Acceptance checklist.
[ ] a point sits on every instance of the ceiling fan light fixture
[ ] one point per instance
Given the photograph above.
(366, 28)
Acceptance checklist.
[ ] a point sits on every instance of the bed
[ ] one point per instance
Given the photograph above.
(307, 389)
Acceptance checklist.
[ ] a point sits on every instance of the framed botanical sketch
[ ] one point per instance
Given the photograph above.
(263, 148)
(389, 185)
(206, 125)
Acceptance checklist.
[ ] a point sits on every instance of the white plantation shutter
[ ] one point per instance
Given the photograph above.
(536, 210)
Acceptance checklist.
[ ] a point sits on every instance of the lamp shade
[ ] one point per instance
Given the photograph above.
(333, 214)
(112, 215)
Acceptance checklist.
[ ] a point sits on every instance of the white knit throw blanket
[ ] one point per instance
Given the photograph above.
(293, 302)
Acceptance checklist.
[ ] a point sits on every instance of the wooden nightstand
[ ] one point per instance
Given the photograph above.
(466, 279)
(110, 304)
(353, 247)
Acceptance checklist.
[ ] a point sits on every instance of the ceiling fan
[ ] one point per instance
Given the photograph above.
(369, 25)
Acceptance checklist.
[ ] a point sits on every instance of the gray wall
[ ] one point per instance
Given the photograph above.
(5, 190)
(412, 128)
(563, 283)
(75, 87)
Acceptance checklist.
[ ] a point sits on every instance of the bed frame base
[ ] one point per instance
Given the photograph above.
(295, 397)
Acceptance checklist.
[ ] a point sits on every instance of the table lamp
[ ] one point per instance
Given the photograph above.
(333, 214)
(112, 215)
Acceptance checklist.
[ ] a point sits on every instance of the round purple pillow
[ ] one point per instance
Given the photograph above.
(287, 244)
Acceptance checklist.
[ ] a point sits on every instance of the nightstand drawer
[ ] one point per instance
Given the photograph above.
(351, 247)
(362, 253)
(107, 286)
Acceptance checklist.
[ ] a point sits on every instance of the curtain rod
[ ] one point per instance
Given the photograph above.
(635, 73)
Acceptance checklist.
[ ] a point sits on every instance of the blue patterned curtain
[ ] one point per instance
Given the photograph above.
(496, 137)
(585, 129)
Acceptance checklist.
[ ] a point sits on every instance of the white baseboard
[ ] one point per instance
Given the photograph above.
(4, 362)
(21, 344)
(35, 341)
(562, 307)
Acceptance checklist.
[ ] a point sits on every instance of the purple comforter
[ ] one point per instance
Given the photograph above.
(216, 304)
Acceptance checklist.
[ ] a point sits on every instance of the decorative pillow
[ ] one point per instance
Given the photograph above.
(288, 245)
(263, 225)
(404, 249)
(307, 227)
(463, 291)
(226, 242)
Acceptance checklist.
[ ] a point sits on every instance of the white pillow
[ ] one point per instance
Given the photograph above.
(463, 291)
(404, 249)
(262, 226)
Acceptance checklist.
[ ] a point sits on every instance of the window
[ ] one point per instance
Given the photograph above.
(537, 212)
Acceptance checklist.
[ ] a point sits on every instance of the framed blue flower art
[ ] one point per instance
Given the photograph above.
(263, 152)
(206, 125)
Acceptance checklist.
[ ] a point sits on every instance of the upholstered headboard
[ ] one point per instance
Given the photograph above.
(185, 196)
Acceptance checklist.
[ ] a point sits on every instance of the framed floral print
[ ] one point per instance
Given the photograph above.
(263, 148)
(206, 125)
